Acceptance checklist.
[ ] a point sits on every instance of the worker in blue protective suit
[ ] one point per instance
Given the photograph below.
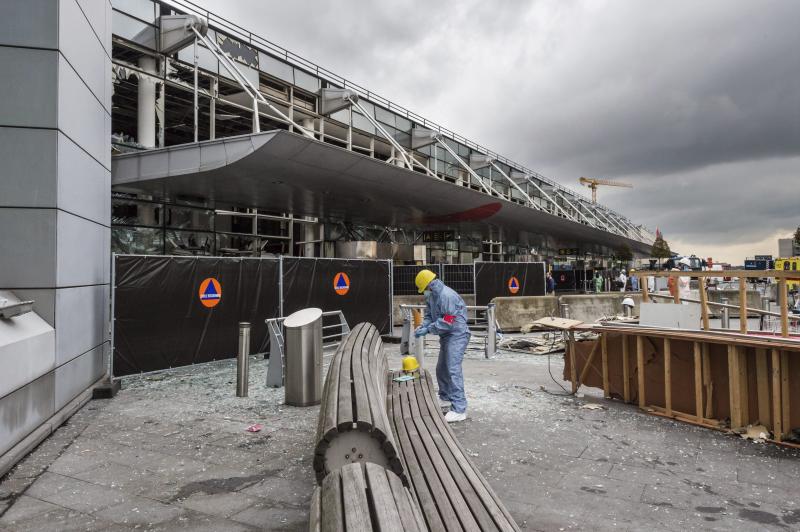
(446, 317)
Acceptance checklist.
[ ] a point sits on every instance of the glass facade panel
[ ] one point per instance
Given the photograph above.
(403, 124)
(137, 240)
(306, 81)
(205, 59)
(275, 68)
(188, 243)
(189, 218)
(384, 116)
(133, 30)
(360, 122)
(130, 212)
(142, 9)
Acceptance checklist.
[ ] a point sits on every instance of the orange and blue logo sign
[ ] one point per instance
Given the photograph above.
(210, 292)
(513, 285)
(341, 283)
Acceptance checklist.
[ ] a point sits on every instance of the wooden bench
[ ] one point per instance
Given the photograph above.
(450, 491)
(353, 424)
(364, 497)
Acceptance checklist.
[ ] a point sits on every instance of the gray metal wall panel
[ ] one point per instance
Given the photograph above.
(80, 315)
(28, 85)
(28, 177)
(28, 248)
(98, 12)
(31, 23)
(27, 349)
(24, 410)
(44, 302)
(83, 251)
(82, 48)
(80, 115)
(76, 375)
(83, 183)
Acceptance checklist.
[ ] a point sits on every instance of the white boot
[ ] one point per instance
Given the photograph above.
(454, 417)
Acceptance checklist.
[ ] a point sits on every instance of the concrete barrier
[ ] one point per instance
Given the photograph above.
(590, 307)
(514, 312)
(716, 296)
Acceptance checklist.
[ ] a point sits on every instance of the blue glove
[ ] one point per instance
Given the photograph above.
(421, 331)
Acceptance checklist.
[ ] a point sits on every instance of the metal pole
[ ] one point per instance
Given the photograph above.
(765, 307)
(195, 90)
(725, 315)
(243, 360)
(419, 349)
(491, 331)
(565, 311)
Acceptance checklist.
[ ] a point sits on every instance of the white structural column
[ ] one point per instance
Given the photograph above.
(55, 201)
(146, 104)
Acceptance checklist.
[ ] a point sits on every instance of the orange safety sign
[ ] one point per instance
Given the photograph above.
(210, 292)
(341, 283)
(513, 285)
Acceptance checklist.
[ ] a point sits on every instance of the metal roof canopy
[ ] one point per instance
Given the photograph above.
(286, 172)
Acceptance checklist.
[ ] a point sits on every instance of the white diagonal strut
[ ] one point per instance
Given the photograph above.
(466, 167)
(549, 198)
(515, 185)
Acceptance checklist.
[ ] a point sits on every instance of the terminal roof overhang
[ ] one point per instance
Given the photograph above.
(285, 172)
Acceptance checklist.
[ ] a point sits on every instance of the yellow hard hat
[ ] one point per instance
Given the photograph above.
(410, 364)
(424, 278)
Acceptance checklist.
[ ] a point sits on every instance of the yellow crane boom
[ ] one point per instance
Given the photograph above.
(594, 183)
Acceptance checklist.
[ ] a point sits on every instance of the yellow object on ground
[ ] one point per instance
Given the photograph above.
(423, 279)
(410, 364)
(417, 316)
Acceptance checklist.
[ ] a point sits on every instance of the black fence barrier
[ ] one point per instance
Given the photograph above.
(175, 311)
(496, 279)
(565, 280)
(404, 276)
(361, 289)
(459, 277)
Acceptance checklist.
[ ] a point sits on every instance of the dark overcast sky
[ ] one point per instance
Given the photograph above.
(697, 104)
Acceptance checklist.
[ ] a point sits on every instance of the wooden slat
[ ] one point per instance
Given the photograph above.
(645, 290)
(573, 370)
(626, 364)
(588, 364)
(708, 384)
(762, 381)
(698, 382)
(604, 347)
(785, 389)
(734, 387)
(703, 304)
(362, 413)
(742, 305)
(406, 506)
(744, 394)
(668, 375)
(315, 512)
(777, 418)
(332, 508)
(783, 299)
(387, 518)
(344, 417)
(640, 370)
(354, 499)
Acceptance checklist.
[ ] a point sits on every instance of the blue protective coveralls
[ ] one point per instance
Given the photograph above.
(446, 317)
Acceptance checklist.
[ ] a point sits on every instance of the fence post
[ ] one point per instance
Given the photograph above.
(243, 360)
(491, 331)
(725, 314)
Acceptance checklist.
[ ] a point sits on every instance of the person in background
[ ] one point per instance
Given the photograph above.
(446, 317)
(550, 283)
(598, 282)
(683, 281)
(651, 284)
(634, 281)
(623, 280)
(672, 283)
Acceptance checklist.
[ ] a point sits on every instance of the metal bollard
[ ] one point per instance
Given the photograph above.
(765, 304)
(407, 335)
(418, 349)
(565, 311)
(491, 331)
(243, 360)
(725, 315)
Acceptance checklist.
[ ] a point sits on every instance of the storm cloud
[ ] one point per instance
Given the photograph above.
(697, 104)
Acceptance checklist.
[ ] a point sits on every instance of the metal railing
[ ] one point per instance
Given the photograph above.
(277, 363)
(486, 322)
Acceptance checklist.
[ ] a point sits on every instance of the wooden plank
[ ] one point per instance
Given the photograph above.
(332, 509)
(777, 274)
(315, 512)
(645, 292)
(676, 297)
(354, 498)
(744, 395)
(604, 348)
(743, 305)
(734, 387)
(762, 382)
(777, 418)
(387, 518)
(785, 389)
(640, 370)
(708, 384)
(783, 299)
(626, 378)
(344, 416)
(698, 382)
(362, 413)
(573, 370)
(703, 304)
(588, 364)
(668, 375)
(406, 506)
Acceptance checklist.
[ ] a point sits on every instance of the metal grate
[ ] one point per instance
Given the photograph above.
(459, 277)
(404, 278)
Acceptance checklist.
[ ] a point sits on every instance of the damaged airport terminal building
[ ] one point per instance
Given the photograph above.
(158, 129)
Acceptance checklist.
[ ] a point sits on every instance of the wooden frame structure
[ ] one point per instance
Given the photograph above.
(725, 380)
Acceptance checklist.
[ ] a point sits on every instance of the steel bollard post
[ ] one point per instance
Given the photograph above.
(243, 360)
(725, 315)
(491, 331)
(418, 349)
(565, 311)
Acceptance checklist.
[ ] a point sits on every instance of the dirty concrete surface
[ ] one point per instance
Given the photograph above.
(171, 452)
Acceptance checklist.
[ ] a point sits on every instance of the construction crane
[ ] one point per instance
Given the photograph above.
(593, 184)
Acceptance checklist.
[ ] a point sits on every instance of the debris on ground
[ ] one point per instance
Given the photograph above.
(255, 427)
(757, 433)
(619, 319)
(538, 345)
(592, 406)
